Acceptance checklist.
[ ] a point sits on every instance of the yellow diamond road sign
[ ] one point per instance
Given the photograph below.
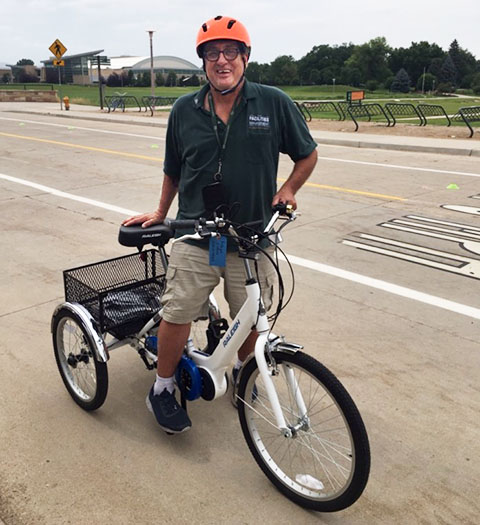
(57, 48)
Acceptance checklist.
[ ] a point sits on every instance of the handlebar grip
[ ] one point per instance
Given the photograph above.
(182, 224)
(283, 208)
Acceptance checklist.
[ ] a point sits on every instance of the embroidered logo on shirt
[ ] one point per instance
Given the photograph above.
(259, 122)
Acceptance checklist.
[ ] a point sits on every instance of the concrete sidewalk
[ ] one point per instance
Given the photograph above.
(464, 147)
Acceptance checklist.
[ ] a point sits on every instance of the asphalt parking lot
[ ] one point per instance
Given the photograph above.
(386, 256)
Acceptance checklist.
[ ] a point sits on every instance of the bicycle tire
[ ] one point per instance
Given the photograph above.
(325, 466)
(84, 376)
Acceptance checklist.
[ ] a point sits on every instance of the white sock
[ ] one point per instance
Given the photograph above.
(162, 383)
(238, 364)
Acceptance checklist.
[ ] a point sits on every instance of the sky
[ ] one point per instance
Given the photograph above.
(276, 27)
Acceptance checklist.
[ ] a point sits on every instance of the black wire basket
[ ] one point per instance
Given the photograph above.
(121, 294)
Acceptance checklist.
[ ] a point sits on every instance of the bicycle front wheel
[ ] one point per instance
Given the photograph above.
(325, 465)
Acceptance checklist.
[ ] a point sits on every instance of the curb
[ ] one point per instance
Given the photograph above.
(92, 118)
(444, 150)
(352, 143)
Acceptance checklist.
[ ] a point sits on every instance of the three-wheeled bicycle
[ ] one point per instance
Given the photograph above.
(300, 424)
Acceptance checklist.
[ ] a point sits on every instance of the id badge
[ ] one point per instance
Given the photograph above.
(218, 251)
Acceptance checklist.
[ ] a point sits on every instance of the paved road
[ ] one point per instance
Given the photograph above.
(386, 296)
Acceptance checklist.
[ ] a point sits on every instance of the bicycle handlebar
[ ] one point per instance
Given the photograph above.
(279, 209)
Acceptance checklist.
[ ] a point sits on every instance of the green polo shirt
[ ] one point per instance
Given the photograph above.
(266, 122)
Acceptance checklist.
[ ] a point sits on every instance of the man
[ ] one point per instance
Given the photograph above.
(223, 140)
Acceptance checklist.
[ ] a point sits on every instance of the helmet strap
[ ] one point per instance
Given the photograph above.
(229, 90)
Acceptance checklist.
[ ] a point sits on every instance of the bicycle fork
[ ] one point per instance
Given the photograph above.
(265, 372)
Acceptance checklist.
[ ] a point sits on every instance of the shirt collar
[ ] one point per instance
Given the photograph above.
(248, 92)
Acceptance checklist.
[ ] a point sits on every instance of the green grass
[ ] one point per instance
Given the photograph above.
(89, 95)
(37, 86)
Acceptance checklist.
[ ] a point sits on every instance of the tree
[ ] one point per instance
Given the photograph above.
(401, 82)
(25, 78)
(254, 72)
(465, 64)
(258, 73)
(448, 72)
(371, 60)
(426, 82)
(476, 84)
(416, 59)
(322, 57)
(130, 78)
(143, 79)
(171, 79)
(113, 80)
(284, 71)
(159, 79)
(25, 62)
(5, 78)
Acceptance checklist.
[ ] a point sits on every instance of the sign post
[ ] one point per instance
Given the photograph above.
(58, 49)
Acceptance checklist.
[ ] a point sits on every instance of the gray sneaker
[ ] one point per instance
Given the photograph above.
(169, 414)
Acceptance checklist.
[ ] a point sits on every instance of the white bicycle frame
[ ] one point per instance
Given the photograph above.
(251, 315)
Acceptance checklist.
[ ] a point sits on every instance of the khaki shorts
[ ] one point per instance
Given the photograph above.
(190, 280)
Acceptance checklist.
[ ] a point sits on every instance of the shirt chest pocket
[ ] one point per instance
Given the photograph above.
(258, 146)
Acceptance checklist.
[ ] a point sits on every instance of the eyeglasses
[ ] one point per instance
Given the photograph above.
(230, 53)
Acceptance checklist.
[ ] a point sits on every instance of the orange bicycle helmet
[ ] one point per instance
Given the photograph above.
(222, 28)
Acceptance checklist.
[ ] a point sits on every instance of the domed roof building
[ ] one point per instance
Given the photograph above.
(166, 64)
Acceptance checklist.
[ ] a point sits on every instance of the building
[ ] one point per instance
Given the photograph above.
(83, 68)
(77, 68)
(161, 64)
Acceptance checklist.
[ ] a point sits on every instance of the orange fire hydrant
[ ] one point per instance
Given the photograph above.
(66, 101)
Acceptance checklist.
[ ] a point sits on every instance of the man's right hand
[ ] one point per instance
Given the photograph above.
(145, 219)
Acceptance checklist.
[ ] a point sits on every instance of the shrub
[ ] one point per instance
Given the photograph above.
(445, 87)
(426, 82)
(371, 85)
(401, 82)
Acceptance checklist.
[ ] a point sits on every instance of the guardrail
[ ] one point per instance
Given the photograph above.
(395, 109)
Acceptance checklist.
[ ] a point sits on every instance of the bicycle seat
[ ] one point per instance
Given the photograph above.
(158, 235)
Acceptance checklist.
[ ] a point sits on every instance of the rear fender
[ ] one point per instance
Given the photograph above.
(90, 326)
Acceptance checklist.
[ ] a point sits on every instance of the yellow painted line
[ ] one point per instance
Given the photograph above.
(158, 159)
(79, 146)
(348, 190)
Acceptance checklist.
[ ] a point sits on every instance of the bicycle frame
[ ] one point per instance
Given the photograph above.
(251, 316)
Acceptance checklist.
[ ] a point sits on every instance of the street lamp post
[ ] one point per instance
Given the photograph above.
(152, 78)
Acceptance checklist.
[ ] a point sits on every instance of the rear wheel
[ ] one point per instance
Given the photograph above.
(325, 465)
(84, 376)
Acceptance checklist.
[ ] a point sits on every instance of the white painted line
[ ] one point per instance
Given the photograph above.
(333, 159)
(385, 286)
(398, 167)
(65, 195)
(69, 126)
